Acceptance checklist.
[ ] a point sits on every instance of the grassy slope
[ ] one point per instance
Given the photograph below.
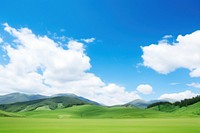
(26, 125)
(8, 114)
(192, 110)
(58, 121)
(165, 108)
(93, 111)
(189, 111)
(52, 103)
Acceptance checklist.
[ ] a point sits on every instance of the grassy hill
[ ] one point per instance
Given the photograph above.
(47, 103)
(94, 111)
(72, 106)
(8, 114)
(191, 110)
(165, 107)
(185, 111)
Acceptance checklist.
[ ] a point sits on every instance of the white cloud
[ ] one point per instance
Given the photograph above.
(166, 57)
(178, 96)
(113, 94)
(195, 85)
(1, 40)
(167, 36)
(144, 89)
(89, 40)
(59, 38)
(195, 72)
(37, 64)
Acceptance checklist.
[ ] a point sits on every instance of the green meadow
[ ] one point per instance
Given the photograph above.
(94, 112)
(142, 125)
(100, 119)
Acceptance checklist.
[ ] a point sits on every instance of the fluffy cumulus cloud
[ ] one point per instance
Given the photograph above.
(38, 64)
(144, 89)
(166, 57)
(179, 96)
(195, 85)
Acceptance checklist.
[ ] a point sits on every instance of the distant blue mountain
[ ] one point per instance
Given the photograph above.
(19, 97)
(143, 104)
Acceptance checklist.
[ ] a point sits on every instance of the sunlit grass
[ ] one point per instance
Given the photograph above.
(37, 125)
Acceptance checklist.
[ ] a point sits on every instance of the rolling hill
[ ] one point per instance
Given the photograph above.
(165, 107)
(193, 109)
(72, 106)
(8, 114)
(99, 112)
(178, 110)
(95, 112)
(47, 103)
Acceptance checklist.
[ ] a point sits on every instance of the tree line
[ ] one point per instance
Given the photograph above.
(182, 103)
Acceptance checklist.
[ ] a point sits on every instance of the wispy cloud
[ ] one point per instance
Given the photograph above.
(89, 40)
(167, 36)
(195, 85)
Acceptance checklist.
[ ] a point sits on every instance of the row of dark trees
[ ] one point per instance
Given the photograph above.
(182, 103)
(187, 102)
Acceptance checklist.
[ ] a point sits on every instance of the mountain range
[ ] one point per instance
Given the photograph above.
(22, 102)
(21, 97)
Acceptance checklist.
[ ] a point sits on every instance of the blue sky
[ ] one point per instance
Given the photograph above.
(120, 29)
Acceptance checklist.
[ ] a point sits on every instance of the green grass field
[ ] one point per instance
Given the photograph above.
(100, 119)
(95, 112)
(144, 125)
